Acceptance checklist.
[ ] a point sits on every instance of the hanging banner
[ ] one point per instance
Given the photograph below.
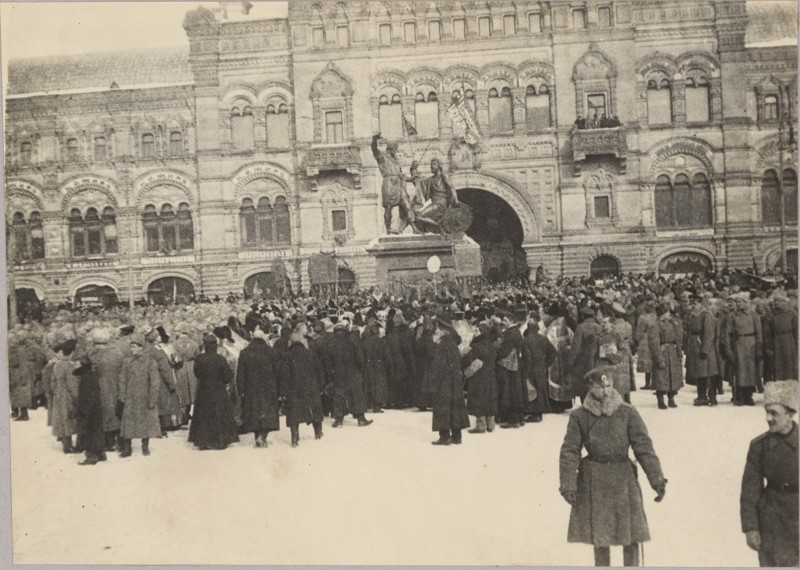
(462, 119)
(323, 269)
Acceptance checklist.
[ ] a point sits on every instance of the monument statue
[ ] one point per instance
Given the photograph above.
(440, 212)
(393, 189)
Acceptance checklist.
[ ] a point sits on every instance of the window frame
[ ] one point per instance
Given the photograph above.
(149, 144)
(462, 27)
(326, 114)
(87, 227)
(409, 26)
(513, 20)
(438, 27)
(488, 21)
(538, 19)
(26, 153)
(162, 223)
(388, 39)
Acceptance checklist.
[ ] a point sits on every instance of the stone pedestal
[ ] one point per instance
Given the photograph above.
(403, 259)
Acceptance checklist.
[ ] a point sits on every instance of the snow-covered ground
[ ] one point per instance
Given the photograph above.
(375, 495)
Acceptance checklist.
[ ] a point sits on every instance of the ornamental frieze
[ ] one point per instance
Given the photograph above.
(656, 15)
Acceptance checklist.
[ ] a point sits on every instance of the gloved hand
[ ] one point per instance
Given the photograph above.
(571, 497)
(661, 490)
(753, 539)
(119, 409)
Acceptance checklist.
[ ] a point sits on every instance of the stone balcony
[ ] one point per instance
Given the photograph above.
(599, 142)
(327, 158)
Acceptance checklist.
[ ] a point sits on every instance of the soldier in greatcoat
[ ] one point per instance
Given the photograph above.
(646, 319)
(90, 413)
(743, 349)
(377, 364)
(768, 503)
(701, 352)
(449, 408)
(779, 329)
(602, 487)
(65, 396)
(22, 377)
(257, 379)
(583, 351)
(106, 361)
(169, 407)
(664, 345)
(137, 408)
(346, 362)
(479, 374)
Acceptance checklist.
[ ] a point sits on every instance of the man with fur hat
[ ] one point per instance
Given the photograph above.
(602, 487)
(768, 503)
(449, 408)
(257, 380)
(346, 363)
(106, 363)
(701, 353)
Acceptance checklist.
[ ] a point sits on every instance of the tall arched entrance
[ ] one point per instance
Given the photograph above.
(261, 286)
(496, 227)
(170, 290)
(95, 296)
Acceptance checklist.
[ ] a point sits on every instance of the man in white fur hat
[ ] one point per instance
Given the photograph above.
(768, 503)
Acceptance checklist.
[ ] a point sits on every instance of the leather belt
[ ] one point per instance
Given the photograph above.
(607, 458)
(740, 335)
(788, 488)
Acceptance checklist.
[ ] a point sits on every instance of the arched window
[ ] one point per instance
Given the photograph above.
(277, 125)
(790, 195)
(170, 290)
(165, 231)
(426, 109)
(500, 111)
(247, 219)
(469, 95)
(603, 266)
(537, 107)
(36, 233)
(770, 199)
(25, 153)
(175, 143)
(283, 226)
(72, 150)
(99, 149)
(265, 224)
(682, 202)
(148, 146)
(697, 107)
(185, 227)
(390, 117)
(659, 99)
(242, 136)
(91, 235)
(770, 112)
(20, 229)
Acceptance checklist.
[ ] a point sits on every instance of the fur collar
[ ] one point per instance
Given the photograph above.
(598, 408)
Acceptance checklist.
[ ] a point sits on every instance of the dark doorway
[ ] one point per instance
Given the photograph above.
(170, 290)
(95, 296)
(261, 286)
(604, 266)
(497, 229)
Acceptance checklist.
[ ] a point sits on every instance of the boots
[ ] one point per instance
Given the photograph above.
(362, 421)
(647, 384)
(671, 400)
(444, 438)
(456, 438)
(14, 412)
(127, 449)
(109, 440)
(295, 435)
(376, 409)
(338, 422)
(490, 424)
(146, 446)
(261, 439)
(66, 445)
(702, 391)
(23, 415)
(480, 425)
(712, 390)
(660, 398)
(317, 430)
(630, 555)
(602, 556)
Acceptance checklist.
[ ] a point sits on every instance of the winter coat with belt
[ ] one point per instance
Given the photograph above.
(780, 345)
(65, 398)
(743, 346)
(701, 345)
(664, 342)
(22, 377)
(139, 383)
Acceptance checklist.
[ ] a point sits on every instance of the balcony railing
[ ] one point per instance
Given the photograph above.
(332, 158)
(597, 142)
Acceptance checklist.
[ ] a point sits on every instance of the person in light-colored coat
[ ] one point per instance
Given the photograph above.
(65, 396)
(138, 399)
(664, 341)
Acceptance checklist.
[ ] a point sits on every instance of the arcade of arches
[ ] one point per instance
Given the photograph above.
(498, 231)
(168, 290)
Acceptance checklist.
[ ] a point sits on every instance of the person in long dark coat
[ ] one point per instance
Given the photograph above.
(257, 380)
(137, 407)
(169, 407)
(779, 330)
(107, 363)
(213, 425)
(318, 343)
(583, 352)
(449, 408)
(602, 487)
(90, 413)
(664, 344)
(479, 370)
(400, 341)
(743, 349)
(538, 354)
(377, 364)
(345, 363)
(65, 396)
(424, 379)
(646, 319)
(768, 500)
(512, 391)
(302, 378)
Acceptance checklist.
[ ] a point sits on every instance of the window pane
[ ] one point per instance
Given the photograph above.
(535, 23)
(148, 146)
(434, 31)
(604, 16)
(509, 24)
(459, 29)
(333, 127)
(683, 201)
(25, 153)
(95, 241)
(500, 119)
(283, 225)
(278, 130)
(342, 36)
(317, 37)
(410, 32)
(78, 241)
(601, 207)
(21, 242)
(169, 233)
(249, 226)
(391, 121)
(663, 199)
(386, 34)
(99, 149)
(770, 199)
(339, 220)
(701, 201)
(697, 104)
(790, 195)
(770, 108)
(264, 214)
(659, 106)
(578, 19)
(484, 27)
(596, 104)
(427, 118)
(175, 144)
(537, 111)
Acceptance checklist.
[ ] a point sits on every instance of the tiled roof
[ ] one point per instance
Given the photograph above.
(99, 70)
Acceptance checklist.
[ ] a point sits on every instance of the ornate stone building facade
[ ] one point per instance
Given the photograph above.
(218, 169)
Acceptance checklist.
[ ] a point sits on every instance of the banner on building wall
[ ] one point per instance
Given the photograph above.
(323, 269)
(462, 119)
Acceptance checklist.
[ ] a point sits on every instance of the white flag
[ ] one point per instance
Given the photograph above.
(462, 119)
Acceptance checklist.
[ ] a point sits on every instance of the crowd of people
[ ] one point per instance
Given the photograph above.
(597, 122)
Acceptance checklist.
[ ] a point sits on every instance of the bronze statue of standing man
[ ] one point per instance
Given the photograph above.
(393, 189)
